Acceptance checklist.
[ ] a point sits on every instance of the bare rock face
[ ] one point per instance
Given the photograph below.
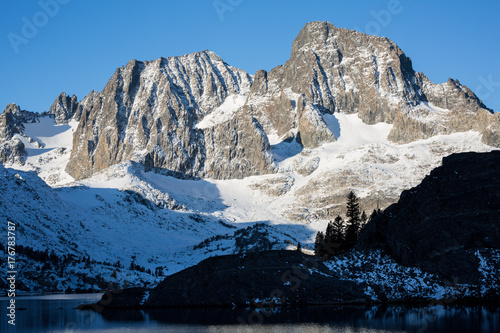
(11, 123)
(312, 129)
(151, 112)
(64, 108)
(12, 151)
(8, 125)
(148, 112)
(274, 186)
(458, 110)
(339, 70)
(237, 148)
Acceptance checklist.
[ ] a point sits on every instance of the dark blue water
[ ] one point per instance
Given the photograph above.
(57, 313)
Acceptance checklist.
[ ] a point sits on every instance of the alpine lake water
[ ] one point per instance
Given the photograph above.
(58, 314)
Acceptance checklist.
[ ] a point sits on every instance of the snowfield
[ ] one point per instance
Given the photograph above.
(124, 214)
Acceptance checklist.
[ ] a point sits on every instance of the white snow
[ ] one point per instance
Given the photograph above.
(48, 146)
(124, 212)
(396, 281)
(224, 112)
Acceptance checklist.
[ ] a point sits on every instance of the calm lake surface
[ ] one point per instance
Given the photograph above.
(57, 313)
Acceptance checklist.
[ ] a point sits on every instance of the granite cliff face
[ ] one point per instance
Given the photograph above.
(12, 150)
(64, 108)
(339, 70)
(156, 112)
(148, 112)
(448, 223)
(196, 116)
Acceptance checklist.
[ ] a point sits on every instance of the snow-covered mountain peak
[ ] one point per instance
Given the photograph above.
(193, 154)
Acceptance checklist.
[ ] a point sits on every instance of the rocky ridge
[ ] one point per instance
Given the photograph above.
(64, 108)
(447, 224)
(270, 278)
(148, 112)
(12, 120)
(340, 70)
(196, 116)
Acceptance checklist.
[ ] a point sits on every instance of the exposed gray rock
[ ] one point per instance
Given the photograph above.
(237, 148)
(11, 123)
(309, 167)
(340, 70)
(8, 125)
(12, 120)
(275, 186)
(312, 130)
(462, 111)
(148, 112)
(64, 108)
(12, 151)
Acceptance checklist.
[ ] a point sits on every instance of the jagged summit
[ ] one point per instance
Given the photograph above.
(64, 108)
(148, 112)
(273, 154)
(340, 70)
(196, 116)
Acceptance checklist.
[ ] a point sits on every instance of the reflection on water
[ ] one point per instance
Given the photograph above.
(57, 314)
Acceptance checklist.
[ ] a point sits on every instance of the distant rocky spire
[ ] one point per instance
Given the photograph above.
(64, 108)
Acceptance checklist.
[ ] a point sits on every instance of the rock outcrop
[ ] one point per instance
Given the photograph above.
(8, 125)
(148, 111)
(64, 108)
(264, 278)
(11, 123)
(12, 151)
(151, 112)
(453, 108)
(339, 70)
(447, 223)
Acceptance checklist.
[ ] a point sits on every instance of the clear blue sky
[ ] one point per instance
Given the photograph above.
(77, 47)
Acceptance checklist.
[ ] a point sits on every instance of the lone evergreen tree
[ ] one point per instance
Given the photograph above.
(336, 238)
(338, 230)
(353, 219)
(364, 217)
(319, 244)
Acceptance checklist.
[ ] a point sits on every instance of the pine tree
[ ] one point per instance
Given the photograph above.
(329, 233)
(319, 244)
(364, 217)
(353, 219)
(334, 237)
(338, 230)
(328, 249)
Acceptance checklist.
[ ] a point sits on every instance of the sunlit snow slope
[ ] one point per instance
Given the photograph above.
(125, 212)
